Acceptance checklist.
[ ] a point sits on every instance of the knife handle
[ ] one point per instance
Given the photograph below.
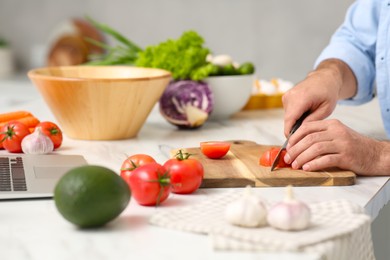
(298, 123)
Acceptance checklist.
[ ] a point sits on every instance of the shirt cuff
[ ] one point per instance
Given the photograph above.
(361, 65)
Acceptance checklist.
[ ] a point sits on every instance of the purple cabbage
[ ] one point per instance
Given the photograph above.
(186, 103)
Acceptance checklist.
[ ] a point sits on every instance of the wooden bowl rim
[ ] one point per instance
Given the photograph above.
(35, 73)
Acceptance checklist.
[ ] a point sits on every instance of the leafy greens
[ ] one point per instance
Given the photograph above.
(182, 56)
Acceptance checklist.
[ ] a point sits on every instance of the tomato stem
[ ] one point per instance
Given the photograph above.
(134, 166)
(53, 131)
(9, 133)
(182, 156)
(163, 180)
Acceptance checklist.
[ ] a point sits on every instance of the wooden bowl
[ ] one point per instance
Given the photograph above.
(100, 102)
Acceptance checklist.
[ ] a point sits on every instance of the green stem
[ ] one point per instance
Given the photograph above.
(134, 166)
(182, 156)
(108, 30)
(163, 180)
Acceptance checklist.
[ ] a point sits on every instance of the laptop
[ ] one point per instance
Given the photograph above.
(25, 176)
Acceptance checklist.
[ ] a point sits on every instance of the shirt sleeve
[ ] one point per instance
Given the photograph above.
(354, 43)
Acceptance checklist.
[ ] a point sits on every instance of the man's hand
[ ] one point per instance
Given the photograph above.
(319, 92)
(323, 144)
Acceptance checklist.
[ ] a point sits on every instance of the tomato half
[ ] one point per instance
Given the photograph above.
(132, 162)
(268, 157)
(215, 150)
(150, 184)
(53, 132)
(186, 173)
(11, 136)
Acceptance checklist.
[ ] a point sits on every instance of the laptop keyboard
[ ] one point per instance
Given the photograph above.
(12, 177)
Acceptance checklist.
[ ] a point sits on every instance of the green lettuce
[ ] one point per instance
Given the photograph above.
(181, 57)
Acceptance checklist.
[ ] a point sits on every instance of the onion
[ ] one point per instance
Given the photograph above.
(186, 103)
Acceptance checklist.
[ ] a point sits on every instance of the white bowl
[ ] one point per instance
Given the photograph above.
(231, 93)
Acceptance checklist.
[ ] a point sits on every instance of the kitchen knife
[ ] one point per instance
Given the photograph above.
(293, 129)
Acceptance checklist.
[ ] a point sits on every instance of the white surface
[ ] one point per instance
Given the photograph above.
(35, 230)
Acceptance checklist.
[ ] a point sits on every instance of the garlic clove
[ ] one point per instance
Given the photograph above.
(37, 143)
(290, 214)
(209, 57)
(222, 60)
(247, 211)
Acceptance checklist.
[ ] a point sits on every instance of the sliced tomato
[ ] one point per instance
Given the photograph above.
(268, 157)
(215, 149)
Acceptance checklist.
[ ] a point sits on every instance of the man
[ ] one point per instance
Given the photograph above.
(357, 55)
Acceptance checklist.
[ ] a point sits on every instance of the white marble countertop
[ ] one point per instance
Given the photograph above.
(33, 229)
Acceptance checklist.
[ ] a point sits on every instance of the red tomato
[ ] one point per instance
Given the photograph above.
(150, 184)
(268, 157)
(132, 162)
(215, 150)
(186, 174)
(52, 131)
(11, 136)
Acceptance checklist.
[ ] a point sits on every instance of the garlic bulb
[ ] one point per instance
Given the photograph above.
(37, 143)
(290, 214)
(222, 60)
(247, 211)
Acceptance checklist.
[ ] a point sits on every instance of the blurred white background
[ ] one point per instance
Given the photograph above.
(282, 37)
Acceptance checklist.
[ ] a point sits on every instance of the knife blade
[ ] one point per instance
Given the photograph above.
(297, 124)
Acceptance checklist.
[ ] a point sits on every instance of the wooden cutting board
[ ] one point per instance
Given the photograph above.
(240, 167)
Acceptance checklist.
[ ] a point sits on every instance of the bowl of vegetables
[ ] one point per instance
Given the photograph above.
(214, 91)
(203, 86)
(231, 84)
(100, 102)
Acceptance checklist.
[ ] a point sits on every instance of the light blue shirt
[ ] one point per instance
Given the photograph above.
(363, 42)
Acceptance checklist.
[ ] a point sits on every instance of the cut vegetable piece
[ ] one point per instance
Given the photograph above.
(268, 157)
(195, 116)
(215, 149)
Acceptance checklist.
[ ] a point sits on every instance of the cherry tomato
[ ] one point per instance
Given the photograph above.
(132, 162)
(186, 174)
(269, 156)
(52, 131)
(215, 150)
(150, 184)
(12, 134)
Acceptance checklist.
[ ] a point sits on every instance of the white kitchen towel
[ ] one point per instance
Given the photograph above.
(336, 226)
